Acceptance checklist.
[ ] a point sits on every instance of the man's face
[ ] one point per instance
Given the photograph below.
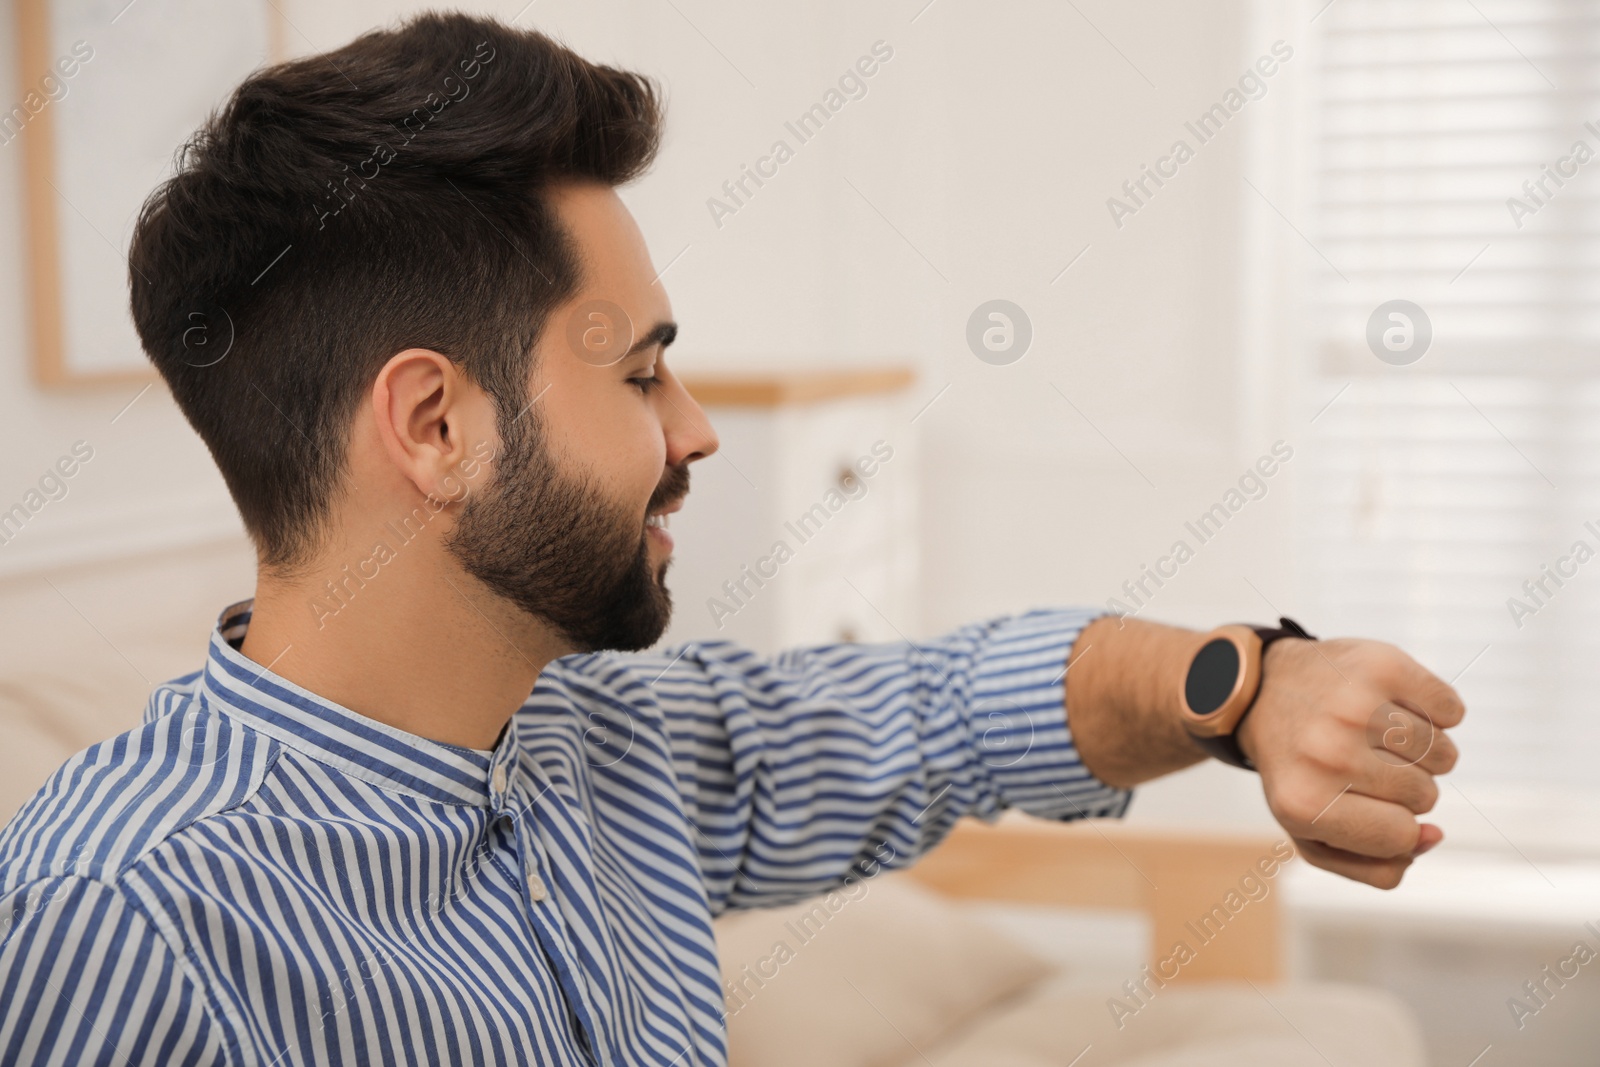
(568, 529)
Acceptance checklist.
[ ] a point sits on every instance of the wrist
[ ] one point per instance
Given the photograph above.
(1245, 734)
(1273, 662)
(1224, 682)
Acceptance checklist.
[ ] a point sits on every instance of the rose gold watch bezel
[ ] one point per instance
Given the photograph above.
(1225, 718)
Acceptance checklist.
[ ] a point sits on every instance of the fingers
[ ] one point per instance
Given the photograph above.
(1382, 873)
(1431, 835)
(1349, 821)
(1422, 691)
(1402, 737)
(1349, 767)
(1398, 783)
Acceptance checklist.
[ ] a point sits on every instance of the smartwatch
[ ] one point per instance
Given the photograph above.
(1221, 684)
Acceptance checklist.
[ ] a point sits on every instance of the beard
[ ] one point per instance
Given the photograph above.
(559, 549)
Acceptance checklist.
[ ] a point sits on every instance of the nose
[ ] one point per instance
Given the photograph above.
(690, 436)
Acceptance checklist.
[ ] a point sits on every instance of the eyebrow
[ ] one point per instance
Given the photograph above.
(664, 334)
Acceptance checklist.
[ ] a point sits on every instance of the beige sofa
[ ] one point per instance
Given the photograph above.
(46, 716)
(895, 972)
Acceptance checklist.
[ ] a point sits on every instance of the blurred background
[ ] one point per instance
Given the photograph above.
(1171, 316)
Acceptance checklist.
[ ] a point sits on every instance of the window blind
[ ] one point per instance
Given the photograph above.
(1447, 170)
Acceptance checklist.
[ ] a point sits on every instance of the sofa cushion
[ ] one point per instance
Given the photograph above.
(865, 976)
(45, 718)
(1224, 1024)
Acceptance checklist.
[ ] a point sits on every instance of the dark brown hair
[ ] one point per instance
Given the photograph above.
(346, 206)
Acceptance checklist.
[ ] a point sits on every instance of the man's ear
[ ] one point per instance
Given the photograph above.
(432, 420)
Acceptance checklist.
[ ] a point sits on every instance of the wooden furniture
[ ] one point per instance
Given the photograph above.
(802, 528)
(1177, 879)
(796, 386)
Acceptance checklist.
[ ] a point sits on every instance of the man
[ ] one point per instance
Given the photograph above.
(395, 293)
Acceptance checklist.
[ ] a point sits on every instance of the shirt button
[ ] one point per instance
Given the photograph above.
(499, 778)
(536, 886)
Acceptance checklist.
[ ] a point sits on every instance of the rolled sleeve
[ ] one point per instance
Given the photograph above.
(1021, 726)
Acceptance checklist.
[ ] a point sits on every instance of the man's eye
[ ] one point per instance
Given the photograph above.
(644, 385)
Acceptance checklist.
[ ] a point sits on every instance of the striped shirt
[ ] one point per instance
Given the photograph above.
(256, 875)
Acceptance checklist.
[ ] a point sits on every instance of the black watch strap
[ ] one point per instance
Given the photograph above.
(1226, 748)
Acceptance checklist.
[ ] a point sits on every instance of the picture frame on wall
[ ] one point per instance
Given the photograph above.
(109, 92)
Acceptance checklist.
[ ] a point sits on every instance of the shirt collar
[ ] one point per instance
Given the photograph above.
(355, 744)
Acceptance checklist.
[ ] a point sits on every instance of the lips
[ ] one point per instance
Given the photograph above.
(655, 526)
(658, 517)
(667, 498)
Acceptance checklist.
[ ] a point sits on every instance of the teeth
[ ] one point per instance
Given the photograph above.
(656, 520)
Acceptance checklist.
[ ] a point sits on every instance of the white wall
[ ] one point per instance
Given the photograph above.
(150, 482)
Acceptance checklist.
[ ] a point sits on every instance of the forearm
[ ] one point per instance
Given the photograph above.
(1122, 699)
(797, 769)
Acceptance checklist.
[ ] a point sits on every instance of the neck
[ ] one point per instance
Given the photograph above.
(413, 642)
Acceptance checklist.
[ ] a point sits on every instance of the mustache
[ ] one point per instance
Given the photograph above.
(674, 486)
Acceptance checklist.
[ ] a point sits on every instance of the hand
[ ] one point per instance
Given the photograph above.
(1347, 736)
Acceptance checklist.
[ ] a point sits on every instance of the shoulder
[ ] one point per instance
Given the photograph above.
(639, 673)
(645, 683)
(111, 804)
(604, 707)
(91, 977)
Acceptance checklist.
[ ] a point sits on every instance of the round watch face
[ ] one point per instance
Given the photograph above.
(1212, 676)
